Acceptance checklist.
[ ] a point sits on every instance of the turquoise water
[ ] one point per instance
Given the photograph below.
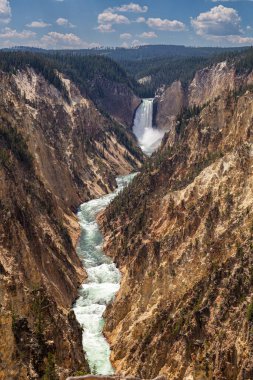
(102, 284)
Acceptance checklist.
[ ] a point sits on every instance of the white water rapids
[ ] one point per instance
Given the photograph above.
(103, 277)
(102, 284)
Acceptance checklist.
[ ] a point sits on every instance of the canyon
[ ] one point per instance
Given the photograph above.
(181, 234)
(156, 266)
(57, 150)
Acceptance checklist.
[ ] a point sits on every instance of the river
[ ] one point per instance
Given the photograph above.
(103, 277)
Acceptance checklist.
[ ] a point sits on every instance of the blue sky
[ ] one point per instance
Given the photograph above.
(90, 23)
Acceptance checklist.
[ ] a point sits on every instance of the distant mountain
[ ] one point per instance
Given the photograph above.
(161, 64)
(141, 52)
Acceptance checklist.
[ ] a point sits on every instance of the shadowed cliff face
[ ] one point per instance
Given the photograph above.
(40, 271)
(78, 151)
(182, 236)
(54, 154)
(207, 85)
(117, 100)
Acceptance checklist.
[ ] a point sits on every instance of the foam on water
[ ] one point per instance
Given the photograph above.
(101, 286)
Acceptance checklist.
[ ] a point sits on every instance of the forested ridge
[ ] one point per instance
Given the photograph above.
(86, 68)
(82, 70)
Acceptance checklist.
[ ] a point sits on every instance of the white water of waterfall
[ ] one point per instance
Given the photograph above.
(149, 138)
(101, 286)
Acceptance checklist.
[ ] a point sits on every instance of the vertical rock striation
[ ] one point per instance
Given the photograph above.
(181, 234)
(56, 151)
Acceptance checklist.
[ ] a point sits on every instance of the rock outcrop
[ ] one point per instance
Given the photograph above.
(78, 151)
(207, 84)
(181, 234)
(168, 105)
(117, 99)
(56, 151)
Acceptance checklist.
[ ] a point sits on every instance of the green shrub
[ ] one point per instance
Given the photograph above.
(14, 141)
(250, 312)
(50, 372)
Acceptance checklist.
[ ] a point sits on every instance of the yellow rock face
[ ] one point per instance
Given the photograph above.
(184, 243)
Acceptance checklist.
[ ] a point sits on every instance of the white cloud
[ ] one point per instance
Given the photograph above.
(135, 43)
(67, 40)
(240, 40)
(55, 38)
(105, 28)
(5, 11)
(132, 7)
(112, 18)
(126, 36)
(219, 21)
(148, 35)
(232, 39)
(141, 20)
(37, 24)
(5, 7)
(12, 33)
(165, 24)
(64, 22)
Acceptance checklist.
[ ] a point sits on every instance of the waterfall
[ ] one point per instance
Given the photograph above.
(149, 137)
(103, 277)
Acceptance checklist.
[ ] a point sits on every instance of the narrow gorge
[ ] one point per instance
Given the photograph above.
(104, 278)
(181, 234)
(126, 214)
(57, 150)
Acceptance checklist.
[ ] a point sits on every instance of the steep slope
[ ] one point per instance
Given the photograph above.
(117, 99)
(40, 271)
(78, 151)
(182, 237)
(56, 150)
(207, 84)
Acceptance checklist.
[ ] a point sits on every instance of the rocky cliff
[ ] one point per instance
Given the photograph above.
(207, 84)
(117, 99)
(181, 234)
(78, 151)
(56, 151)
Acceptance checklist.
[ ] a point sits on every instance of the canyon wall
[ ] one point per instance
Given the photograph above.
(117, 99)
(207, 84)
(181, 234)
(56, 151)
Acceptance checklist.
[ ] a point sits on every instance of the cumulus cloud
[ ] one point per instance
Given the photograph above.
(65, 40)
(126, 36)
(37, 24)
(105, 28)
(165, 24)
(141, 20)
(55, 37)
(112, 18)
(9, 33)
(132, 7)
(64, 22)
(240, 40)
(5, 11)
(219, 21)
(148, 35)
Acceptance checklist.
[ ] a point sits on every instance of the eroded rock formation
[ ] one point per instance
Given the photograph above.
(182, 237)
(55, 152)
(207, 84)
